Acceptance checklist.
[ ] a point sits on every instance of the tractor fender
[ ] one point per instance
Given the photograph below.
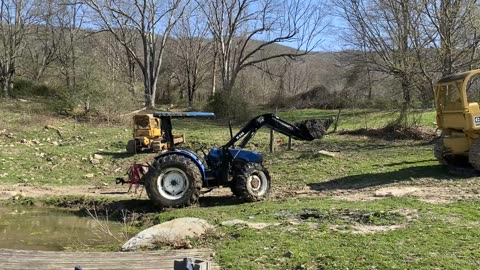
(189, 155)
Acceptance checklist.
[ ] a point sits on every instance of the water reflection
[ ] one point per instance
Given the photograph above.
(50, 229)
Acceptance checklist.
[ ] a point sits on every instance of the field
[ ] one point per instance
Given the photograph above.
(376, 204)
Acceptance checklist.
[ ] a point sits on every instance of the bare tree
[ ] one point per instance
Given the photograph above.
(193, 50)
(451, 28)
(153, 21)
(383, 30)
(243, 29)
(15, 16)
(40, 50)
(67, 33)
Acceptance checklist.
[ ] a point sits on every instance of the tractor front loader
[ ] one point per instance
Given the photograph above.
(177, 176)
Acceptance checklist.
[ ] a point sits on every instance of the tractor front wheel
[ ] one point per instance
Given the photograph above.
(252, 182)
(174, 181)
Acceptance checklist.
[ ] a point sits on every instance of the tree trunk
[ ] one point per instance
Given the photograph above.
(403, 117)
(131, 77)
(214, 74)
(4, 85)
(190, 100)
(86, 106)
(153, 94)
(146, 93)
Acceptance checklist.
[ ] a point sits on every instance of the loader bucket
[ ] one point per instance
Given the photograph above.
(315, 128)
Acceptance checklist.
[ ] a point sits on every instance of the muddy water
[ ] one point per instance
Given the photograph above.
(51, 229)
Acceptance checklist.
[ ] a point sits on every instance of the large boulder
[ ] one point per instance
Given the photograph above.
(170, 232)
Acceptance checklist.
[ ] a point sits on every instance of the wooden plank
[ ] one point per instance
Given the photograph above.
(163, 259)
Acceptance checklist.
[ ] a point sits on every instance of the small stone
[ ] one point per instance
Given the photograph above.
(97, 156)
(327, 153)
(89, 175)
(94, 161)
(288, 254)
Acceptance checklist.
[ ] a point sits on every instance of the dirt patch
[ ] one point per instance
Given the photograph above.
(394, 132)
(33, 191)
(347, 216)
(429, 194)
(427, 190)
(364, 229)
(351, 221)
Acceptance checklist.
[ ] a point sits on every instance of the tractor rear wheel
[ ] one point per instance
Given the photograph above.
(474, 155)
(132, 147)
(252, 182)
(174, 181)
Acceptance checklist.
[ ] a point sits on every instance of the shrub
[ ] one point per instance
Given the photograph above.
(230, 105)
(27, 88)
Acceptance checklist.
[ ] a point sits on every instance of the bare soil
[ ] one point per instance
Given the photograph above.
(427, 190)
(34, 191)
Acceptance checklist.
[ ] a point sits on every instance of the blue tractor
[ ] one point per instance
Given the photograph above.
(176, 177)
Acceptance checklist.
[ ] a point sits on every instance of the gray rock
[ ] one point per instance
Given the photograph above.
(170, 232)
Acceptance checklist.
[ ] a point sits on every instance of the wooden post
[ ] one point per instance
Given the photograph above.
(272, 137)
(272, 141)
(289, 143)
(337, 119)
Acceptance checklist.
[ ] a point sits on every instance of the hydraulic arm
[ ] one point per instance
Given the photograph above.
(305, 131)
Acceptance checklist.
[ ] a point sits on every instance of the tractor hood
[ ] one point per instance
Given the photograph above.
(240, 154)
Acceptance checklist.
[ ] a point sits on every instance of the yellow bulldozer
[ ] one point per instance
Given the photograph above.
(149, 135)
(458, 117)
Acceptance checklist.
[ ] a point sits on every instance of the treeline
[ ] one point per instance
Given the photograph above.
(107, 56)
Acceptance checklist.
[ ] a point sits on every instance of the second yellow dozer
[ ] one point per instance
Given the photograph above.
(148, 135)
(458, 117)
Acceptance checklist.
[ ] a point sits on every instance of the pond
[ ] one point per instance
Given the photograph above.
(36, 228)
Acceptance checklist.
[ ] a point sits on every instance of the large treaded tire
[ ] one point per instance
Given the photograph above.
(438, 150)
(179, 163)
(244, 185)
(474, 155)
(237, 169)
(131, 147)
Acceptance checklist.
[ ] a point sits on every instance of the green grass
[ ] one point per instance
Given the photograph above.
(55, 160)
(440, 236)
